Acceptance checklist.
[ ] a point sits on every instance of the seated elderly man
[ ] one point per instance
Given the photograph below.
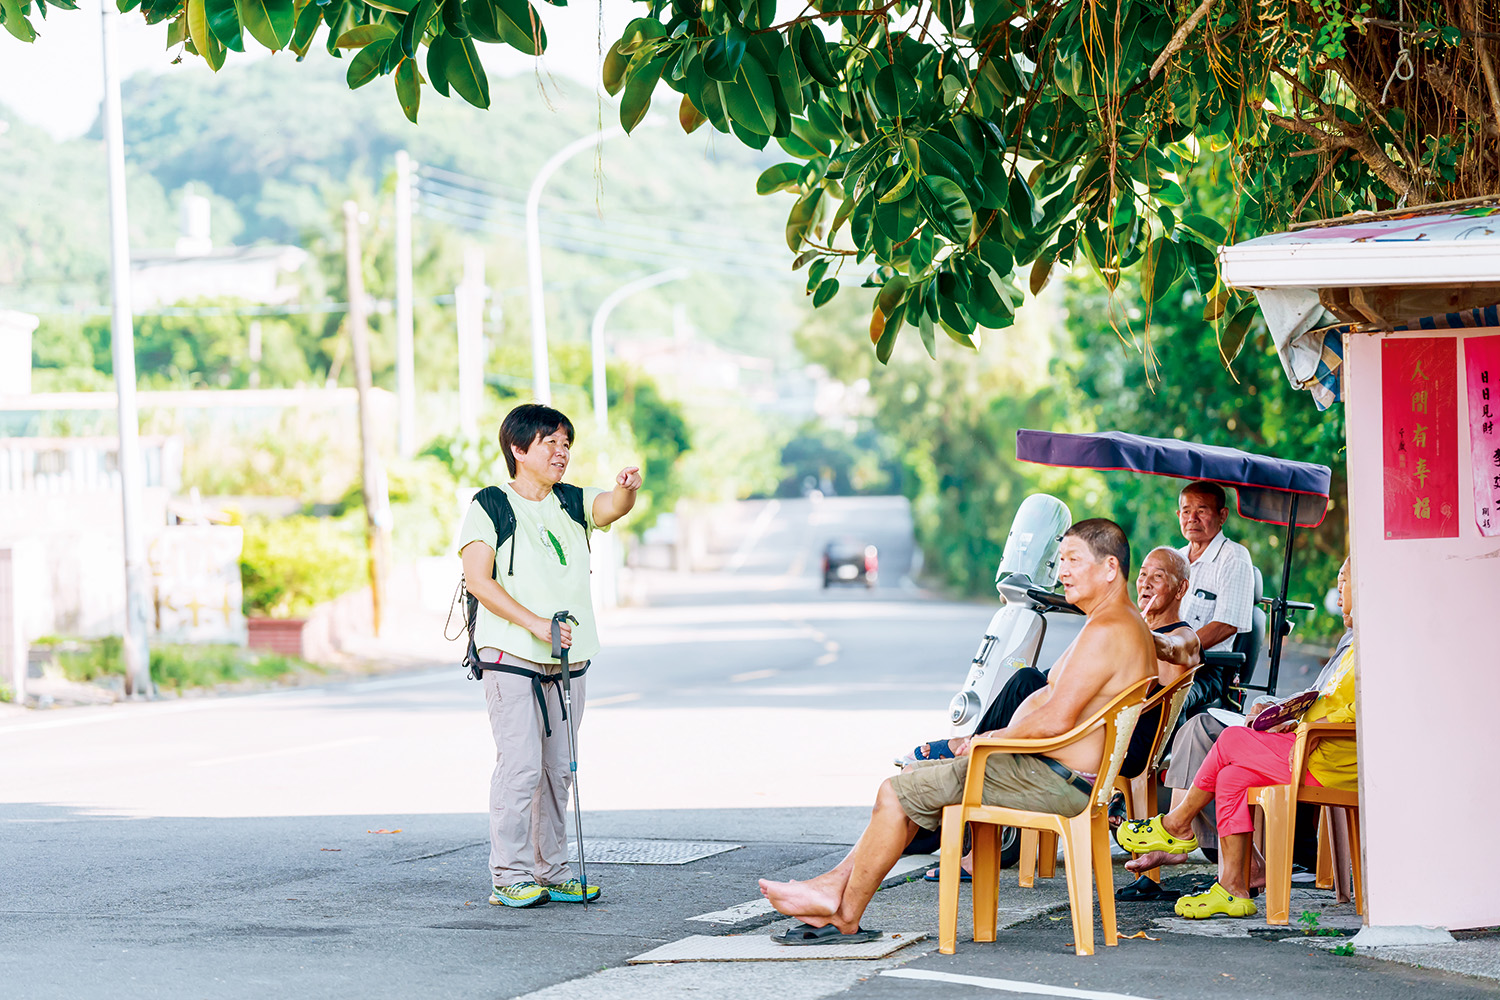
(1196, 739)
(1112, 652)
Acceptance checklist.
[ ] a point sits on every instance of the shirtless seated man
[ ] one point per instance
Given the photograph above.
(1113, 651)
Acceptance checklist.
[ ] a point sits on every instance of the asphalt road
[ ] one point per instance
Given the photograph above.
(331, 842)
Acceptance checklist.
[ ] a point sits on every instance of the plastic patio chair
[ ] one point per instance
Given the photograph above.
(1139, 791)
(1085, 836)
(1278, 803)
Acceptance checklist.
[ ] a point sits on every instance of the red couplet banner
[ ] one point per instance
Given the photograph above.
(1419, 380)
(1482, 374)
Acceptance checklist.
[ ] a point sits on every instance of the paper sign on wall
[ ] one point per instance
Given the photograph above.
(1419, 380)
(1482, 371)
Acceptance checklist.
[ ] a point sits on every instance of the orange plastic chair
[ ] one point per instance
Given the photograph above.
(1278, 803)
(1085, 836)
(1140, 791)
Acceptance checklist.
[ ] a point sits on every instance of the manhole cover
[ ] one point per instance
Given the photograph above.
(647, 852)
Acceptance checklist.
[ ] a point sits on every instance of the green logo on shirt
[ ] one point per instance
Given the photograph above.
(556, 546)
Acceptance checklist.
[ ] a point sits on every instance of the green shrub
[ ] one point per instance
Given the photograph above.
(175, 667)
(289, 565)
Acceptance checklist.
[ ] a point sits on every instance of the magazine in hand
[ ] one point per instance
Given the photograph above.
(1289, 710)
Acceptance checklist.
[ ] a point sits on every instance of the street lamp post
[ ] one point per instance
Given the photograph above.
(137, 653)
(541, 378)
(596, 334)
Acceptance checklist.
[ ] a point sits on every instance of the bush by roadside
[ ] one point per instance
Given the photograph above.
(178, 667)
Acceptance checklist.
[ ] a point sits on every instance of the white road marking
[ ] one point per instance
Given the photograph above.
(614, 699)
(752, 675)
(753, 538)
(283, 751)
(825, 659)
(1007, 985)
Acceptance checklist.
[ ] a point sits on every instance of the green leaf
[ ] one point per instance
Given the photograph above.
(781, 177)
(409, 88)
(722, 55)
(790, 78)
(520, 26)
(307, 27)
(454, 22)
(827, 290)
(945, 203)
(613, 71)
(479, 15)
(16, 22)
(437, 63)
(361, 35)
(815, 273)
(1211, 231)
(414, 28)
(1202, 265)
(800, 219)
(688, 115)
(465, 72)
(365, 66)
(270, 22)
(1160, 269)
(895, 91)
(640, 84)
(813, 53)
(1232, 337)
(203, 39)
(749, 99)
(1041, 273)
(638, 33)
(224, 22)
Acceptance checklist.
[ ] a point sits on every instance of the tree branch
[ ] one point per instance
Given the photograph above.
(1445, 82)
(1179, 37)
(1317, 182)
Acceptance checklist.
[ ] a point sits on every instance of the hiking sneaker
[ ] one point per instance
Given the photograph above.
(521, 894)
(571, 891)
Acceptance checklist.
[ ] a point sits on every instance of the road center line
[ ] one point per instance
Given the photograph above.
(1007, 985)
(752, 675)
(283, 751)
(614, 699)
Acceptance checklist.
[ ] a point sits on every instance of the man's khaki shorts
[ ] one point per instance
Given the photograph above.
(1016, 781)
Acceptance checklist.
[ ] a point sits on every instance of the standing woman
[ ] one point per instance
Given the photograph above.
(520, 582)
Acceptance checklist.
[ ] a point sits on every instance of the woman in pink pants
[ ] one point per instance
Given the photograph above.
(1243, 759)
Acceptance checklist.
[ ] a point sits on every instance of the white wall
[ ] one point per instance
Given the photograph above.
(1428, 645)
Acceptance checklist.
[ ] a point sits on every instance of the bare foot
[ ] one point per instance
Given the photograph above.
(1154, 859)
(808, 901)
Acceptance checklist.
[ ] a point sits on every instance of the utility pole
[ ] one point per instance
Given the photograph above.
(136, 648)
(406, 383)
(468, 303)
(372, 476)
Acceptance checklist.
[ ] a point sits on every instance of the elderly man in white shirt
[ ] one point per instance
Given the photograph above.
(1221, 579)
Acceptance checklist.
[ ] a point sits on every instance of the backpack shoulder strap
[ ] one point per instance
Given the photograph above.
(571, 498)
(497, 505)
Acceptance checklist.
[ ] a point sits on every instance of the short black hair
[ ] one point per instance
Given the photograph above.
(1104, 538)
(1213, 491)
(525, 425)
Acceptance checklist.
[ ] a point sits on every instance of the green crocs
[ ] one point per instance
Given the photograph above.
(1142, 836)
(521, 894)
(571, 891)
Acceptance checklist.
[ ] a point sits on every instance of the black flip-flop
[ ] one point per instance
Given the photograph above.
(1142, 890)
(933, 876)
(800, 934)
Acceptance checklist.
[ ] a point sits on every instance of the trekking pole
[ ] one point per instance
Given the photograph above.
(559, 652)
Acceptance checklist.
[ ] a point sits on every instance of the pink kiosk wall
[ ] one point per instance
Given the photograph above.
(1428, 641)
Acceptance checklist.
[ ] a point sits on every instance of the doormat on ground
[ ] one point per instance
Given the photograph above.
(647, 852)
(760, 948)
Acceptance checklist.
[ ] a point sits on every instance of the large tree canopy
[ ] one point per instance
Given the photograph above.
(954, 143)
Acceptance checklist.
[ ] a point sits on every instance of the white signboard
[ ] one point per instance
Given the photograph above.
(196, 572)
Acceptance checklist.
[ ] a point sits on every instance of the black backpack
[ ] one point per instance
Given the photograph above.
(497, 505)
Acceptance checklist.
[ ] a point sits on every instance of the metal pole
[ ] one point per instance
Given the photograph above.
(372, 477)
(596, 335)
(541, 378)
(1279, 605)
(136, 650)
(406, 385)
(468, 303)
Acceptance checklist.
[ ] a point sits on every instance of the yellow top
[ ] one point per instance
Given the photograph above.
(1333, 762)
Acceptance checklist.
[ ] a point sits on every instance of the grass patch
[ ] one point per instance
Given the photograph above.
(177, 667)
